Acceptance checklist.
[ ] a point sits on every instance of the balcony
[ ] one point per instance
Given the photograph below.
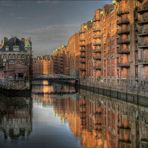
(83, 69)
(124, 134)
(97, 67)
(142, 21)
(122, 12)
(126, 143)
(82, 50)
(143, 33)
(144, 142)
(121, 64)
(97, 57)
(82, 110)
(97, 30)
(83, 62)
(123, 51)
(97, 36)
(82, 39)
(142, 10)
(123, 31)
(82, 116)
(82, 45)
(82, 56)
(98, 50)
(142, 44)
(96, 20)
(143, 61)
(123, 41)
(97, 44)
(98, 127)
(122, 21)
(82, 102)
(124, 128)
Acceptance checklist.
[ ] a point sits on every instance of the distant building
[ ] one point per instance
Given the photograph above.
(59, 57)
(65, 59)
(112, 47)
(86, 60)
(15, 63)
(73, 55)
(41, 65)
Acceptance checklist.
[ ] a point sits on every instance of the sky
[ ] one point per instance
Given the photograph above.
(49, 23)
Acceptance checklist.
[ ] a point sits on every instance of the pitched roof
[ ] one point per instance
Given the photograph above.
(13, 42)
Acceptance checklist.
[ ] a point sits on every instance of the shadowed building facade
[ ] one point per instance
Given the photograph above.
(16, 63)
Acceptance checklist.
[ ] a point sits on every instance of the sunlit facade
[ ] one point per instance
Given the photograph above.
(86, 50)
(112, 47)
(60, 61)
(119, 43)
(73, 54)
(42, 65)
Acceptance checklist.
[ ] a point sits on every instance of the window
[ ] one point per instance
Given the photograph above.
(20, 75)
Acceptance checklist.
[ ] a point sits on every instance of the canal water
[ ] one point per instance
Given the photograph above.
(57, 116)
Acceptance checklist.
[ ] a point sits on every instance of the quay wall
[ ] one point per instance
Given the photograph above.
(130, 97)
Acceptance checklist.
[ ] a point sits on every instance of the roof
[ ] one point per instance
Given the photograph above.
(14, 42)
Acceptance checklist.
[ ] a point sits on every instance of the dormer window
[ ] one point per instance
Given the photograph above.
(15, 48)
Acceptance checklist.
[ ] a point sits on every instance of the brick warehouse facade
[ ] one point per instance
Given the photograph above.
(118, 40)
(112, 47)
(63, 60)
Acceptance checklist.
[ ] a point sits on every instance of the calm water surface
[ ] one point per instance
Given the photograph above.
(58, 117)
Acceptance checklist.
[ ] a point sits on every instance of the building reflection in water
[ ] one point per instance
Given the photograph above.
(44, 87)
(15, 117)
(101, 122)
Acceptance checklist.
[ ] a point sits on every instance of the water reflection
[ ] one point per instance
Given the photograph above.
(73, 120)
(15, 117)
(44, 87)
(101, 122)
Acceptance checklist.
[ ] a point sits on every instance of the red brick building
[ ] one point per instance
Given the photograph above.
(117, 42)
(112, 47)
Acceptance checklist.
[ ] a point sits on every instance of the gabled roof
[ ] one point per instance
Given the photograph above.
(13, 42)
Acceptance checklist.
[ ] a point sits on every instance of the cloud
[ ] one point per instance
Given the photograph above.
(54, 32)
(48, 2)
(20, 18)
(10, 3)
(7, 3)
(42, 1)
(51, 36)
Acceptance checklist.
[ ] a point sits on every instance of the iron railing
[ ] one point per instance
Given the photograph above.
(123, 85)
